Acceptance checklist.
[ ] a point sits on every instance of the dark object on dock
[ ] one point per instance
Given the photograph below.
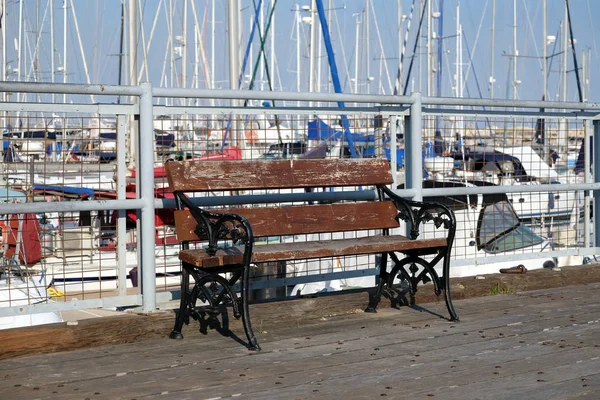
(241, 226)
(519, 269)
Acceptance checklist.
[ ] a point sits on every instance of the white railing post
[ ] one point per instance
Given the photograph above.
(145, 170)
(413, 154)
(596, 165)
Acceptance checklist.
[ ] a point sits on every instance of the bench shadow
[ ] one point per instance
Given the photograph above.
(401, 296)
(209, 320)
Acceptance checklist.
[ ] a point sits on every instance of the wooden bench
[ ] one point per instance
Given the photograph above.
(230, 233)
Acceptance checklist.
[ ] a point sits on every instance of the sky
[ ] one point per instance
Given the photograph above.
(364, 35)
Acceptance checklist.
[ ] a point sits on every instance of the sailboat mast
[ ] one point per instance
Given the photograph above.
(261, 60)
(313, 48)
(429, 49)
(565, 56)
(195, 83)
(4, 77)
(367, 46)
(212, 45)
(515, 50)
(19, 53)
(183, 45)
(234, 59)
(272, 55)
(398, 83)
(64, 71)
(493, 33)
(545, 47)
(357, 15)
(121, 44)
(298, 50)
(457, 90)
(133, 74)
(52, 65)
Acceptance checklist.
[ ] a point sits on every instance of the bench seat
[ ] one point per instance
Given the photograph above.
(312, 249)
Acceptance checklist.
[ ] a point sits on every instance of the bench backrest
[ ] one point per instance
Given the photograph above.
(202, 176)
(207, 176)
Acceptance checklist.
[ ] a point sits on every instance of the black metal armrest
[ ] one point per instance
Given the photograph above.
(218, 227)
(417, 213)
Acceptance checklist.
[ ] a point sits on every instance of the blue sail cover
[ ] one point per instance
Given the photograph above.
(65, 190)
(319, 130)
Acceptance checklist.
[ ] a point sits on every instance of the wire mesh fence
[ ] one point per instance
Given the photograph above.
(475, 164)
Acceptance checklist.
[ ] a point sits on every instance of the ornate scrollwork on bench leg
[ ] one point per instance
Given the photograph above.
(217, 228)
(416, 214)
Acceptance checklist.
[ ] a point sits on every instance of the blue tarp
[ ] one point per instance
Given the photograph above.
(67, 190)
(319, 130)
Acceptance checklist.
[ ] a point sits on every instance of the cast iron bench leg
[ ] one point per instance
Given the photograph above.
(183, 304)
(372, 307)
(252, 341)
(446, 278)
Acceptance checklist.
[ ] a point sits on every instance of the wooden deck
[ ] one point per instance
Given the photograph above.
(542, 344)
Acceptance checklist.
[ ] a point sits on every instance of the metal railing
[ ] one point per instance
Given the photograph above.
(412, 111)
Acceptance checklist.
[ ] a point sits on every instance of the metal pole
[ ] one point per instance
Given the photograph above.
(596, 180)
(52, 66)
(64, 63)
(4, 77)
(122, 214)
(234, 64)
(356, 36)
(133, 75)
(545, 48)
(586, 179)
(492, 80)
(429, 50)
(394, 149)
(565, 57)
(146, 255)
(413, 153)
(313, 47)
(515, 51)
(184, 49)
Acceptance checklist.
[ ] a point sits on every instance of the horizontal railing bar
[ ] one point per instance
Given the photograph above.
(225, 110)
(71, 206)
(70, 88)
(361, 98)
(227, 94)
(510, 113)
(451, 191)
(455, 101)
(71, 108)
(368, 194)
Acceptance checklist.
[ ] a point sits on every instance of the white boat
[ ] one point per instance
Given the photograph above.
(510, 166)
(17, 288)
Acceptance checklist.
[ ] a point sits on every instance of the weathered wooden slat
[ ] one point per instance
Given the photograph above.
(299, 220)
(312, 249)
(189, 176)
